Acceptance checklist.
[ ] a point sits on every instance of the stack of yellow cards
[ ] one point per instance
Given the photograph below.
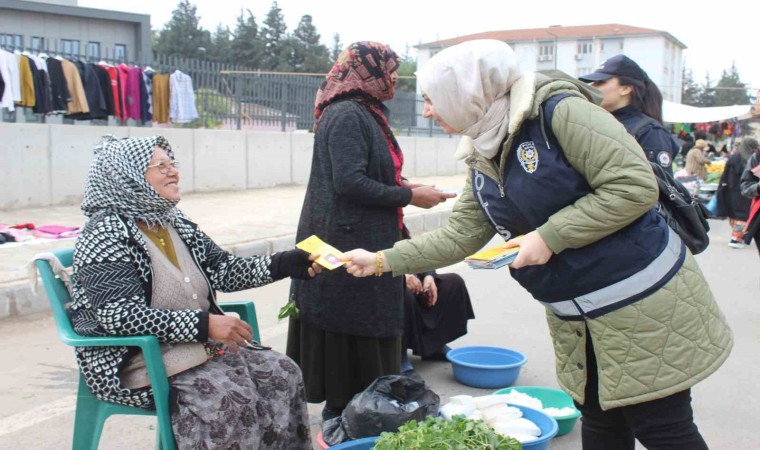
(492, 258)
(329, 256)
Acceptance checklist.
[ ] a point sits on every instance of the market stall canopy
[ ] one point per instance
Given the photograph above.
(678, 113)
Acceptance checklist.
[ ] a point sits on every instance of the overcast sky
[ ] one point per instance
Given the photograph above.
(715, 36)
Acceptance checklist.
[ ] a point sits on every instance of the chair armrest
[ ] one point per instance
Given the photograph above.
(247, 312)
(151, 352)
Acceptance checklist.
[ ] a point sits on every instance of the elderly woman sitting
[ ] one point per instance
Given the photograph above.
(142, 268)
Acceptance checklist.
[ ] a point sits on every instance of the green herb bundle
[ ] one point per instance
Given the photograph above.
(436, 433)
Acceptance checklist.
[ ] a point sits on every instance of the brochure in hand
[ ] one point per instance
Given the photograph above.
(329, 256)
(492, 258)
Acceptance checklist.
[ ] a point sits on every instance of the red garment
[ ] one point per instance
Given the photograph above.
(113, 74)
(123, 75)
(134, 104)
(364, 70)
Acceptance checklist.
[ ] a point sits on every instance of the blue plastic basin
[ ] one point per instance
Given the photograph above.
(545, 423)
(486, 367)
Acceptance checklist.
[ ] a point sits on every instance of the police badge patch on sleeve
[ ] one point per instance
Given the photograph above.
(664, 159)
(527, 154)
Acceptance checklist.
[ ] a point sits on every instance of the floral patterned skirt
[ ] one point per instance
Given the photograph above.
(252, 399)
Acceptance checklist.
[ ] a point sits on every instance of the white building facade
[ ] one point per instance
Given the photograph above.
(578, 50)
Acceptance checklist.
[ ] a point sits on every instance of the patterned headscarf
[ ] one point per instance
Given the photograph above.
(363, 69)
(469, 86)
(116, 181)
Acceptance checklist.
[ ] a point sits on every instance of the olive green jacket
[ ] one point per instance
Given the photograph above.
(660, 345)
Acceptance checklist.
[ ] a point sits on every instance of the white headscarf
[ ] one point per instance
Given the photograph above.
(468, 84)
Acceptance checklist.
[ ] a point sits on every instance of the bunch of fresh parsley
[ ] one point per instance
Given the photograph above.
(436, 433)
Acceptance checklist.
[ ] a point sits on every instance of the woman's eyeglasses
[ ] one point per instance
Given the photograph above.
(164, 166)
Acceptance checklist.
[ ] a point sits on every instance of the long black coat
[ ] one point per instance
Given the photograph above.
(731, 202)
(351, 202)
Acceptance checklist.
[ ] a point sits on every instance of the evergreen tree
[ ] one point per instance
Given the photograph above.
(730, 90)
(182, 35)
(273, 35)
(247, 45)
(308, 54)
(690, 90)
(706, 93)
(337, 48)
(221, 44)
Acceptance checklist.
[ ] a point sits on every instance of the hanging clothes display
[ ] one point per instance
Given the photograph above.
(182, 98)
(84, 91)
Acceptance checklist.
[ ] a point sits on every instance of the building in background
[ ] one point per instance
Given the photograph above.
(579, 50)
(63, 27)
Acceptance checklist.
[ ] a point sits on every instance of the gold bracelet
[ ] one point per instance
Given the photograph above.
(378, 264)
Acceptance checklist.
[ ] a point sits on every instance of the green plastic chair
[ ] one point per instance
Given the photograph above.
(91, 413)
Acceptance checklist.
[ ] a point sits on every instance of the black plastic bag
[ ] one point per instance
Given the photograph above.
(385, 405)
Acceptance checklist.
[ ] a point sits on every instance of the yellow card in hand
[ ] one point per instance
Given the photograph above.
(329, 256)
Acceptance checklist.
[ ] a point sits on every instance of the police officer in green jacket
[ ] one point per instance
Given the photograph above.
(633, 322)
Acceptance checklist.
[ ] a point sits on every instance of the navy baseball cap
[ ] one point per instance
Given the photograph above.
(618, 65)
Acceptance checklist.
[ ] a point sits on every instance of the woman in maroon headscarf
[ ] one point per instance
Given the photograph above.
(349, 331)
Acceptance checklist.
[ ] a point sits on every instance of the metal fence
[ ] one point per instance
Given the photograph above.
(234, 97)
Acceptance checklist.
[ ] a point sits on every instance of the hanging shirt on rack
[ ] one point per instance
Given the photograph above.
(182, 98)
(41, 86)
(26, 78)
(78, 102)
(105, 87)
(134, 80)
(59, 91)
(161, 98)
(123, 76)
(9, 72)
(113, 75)
(146, 104)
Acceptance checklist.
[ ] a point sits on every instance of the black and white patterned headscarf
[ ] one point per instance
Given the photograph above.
(116, 181)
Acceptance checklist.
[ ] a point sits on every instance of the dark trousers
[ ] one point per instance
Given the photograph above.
(663, 424)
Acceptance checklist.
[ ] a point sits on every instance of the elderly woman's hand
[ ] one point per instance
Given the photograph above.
(294, 263)
(229, 330)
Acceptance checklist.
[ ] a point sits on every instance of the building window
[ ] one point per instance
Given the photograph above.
(93, 49)
(70, 47)
(120, 52)
(12, 40)
(546, 49)
(38, 44)
(585, 47)
(580, 71)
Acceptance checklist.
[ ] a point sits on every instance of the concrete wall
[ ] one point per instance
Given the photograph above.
(45, 165)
